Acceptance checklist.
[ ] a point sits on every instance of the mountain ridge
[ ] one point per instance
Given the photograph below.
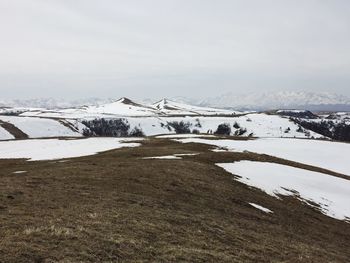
(279, 100)
(314, 101)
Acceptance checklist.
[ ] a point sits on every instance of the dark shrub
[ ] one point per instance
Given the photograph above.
(103, 127)
(137, 132)
(198, 124)
(11, 113)
(287, 130)
(300, 129)
(334, 130)
(236, 125)
(180, 127)
(223, 129)
(241, 132)
(87, 132)
(195, 131)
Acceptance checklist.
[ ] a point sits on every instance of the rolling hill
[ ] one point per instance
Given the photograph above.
(162, 117)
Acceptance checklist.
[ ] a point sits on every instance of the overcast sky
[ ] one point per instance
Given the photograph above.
(165, 48)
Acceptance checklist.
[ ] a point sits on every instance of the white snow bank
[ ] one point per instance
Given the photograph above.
(259, 207)
(186, 154)
(40, 127)
(219, 150)
(331, 193)
(176, 156)
(329, 155)
(50, 149)
(174, 136)
(5, 135)
(19, 172)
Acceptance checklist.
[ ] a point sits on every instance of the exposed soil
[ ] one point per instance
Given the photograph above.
(118, 207)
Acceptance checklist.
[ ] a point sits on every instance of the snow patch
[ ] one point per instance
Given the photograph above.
(329, 155)
(19, 172)
(261, 208)
(330, 193)
(51, 149)
(5, 135)
(186, 154)
(220, 150)
(40, 127)
(165, 157)
(173, 136)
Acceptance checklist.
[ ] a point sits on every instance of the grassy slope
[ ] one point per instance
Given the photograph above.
(117, 207)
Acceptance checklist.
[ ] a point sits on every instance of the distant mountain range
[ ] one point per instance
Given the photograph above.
(314, 101)
(322, 101)
(52, 103)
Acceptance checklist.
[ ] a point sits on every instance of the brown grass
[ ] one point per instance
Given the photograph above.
(117, 207)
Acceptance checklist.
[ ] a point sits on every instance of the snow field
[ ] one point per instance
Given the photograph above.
(40, 127)
(329, 155)
(5, 135)
(51, 149)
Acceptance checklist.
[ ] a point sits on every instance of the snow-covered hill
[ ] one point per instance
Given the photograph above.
(126, 107)
(33, 127)
(341, 116)
(170, 107)
(257, 125)
(162, 117)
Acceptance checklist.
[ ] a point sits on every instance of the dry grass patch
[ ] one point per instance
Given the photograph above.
(116, 207)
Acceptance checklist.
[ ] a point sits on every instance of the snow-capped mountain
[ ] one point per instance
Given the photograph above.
(170, 107)
(126, 107)
(314, 101)
(280, 100)
(123, 106)
(163, 117)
